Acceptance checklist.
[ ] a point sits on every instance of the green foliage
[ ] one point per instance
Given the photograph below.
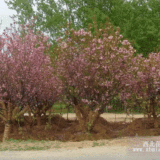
(139, 23)
(138, 20)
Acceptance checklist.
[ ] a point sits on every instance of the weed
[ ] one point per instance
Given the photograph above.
(95, 144)
(102, 144)
(89, 134)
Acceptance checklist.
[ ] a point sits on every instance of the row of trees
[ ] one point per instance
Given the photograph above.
(88, 71)
(137, 19)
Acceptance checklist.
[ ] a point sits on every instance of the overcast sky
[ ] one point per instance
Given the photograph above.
(5, 12)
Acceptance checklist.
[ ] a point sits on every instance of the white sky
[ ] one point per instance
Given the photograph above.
(5, 12)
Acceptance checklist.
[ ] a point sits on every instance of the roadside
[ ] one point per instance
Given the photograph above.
(113, 149)
(58, 145)
(118, 148)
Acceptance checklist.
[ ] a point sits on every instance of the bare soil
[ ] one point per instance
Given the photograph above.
(68, 131)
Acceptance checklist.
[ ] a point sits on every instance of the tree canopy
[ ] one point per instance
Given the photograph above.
(138, 19)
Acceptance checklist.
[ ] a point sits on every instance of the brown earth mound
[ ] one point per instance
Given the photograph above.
(69, 130)
(141, 127)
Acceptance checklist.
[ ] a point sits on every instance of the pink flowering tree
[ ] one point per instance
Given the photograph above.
(93, 70)
(146, 87)
(26, 73)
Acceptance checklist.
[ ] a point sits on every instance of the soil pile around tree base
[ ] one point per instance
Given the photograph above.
(69, 130)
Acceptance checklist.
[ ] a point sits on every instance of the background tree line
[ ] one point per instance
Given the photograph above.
(138, 20)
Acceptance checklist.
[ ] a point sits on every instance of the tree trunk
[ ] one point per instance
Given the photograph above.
(86, 117)
(6, 132)
(93, 119)
(14, 127)
(30, 120)
(156, 123)
(152, 107)
(153, 103)
(38, 116)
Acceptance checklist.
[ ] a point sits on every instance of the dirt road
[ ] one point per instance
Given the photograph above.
(111, 117)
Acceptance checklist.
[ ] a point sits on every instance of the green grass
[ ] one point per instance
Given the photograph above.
(95, 144)
(98, 144)
(21, 145)
(61, 108)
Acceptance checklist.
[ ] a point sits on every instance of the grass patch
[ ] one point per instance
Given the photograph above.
(98, 144)
(61, 108)
(102, 144)
(21, 145)
(95, 144)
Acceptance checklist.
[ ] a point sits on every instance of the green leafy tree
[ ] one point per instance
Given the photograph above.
(140, 24)
(51, 15)
(138, 20)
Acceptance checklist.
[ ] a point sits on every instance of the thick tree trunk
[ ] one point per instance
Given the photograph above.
(152, 107)
(86, 117)
(93, 118)
(80, 118)
(6, 132)
(39, 111)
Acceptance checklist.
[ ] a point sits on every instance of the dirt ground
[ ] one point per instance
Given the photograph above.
(107, 131)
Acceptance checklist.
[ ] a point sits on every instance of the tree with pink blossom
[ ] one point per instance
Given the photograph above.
(146, 86)
(93, 70)
(26, 73)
